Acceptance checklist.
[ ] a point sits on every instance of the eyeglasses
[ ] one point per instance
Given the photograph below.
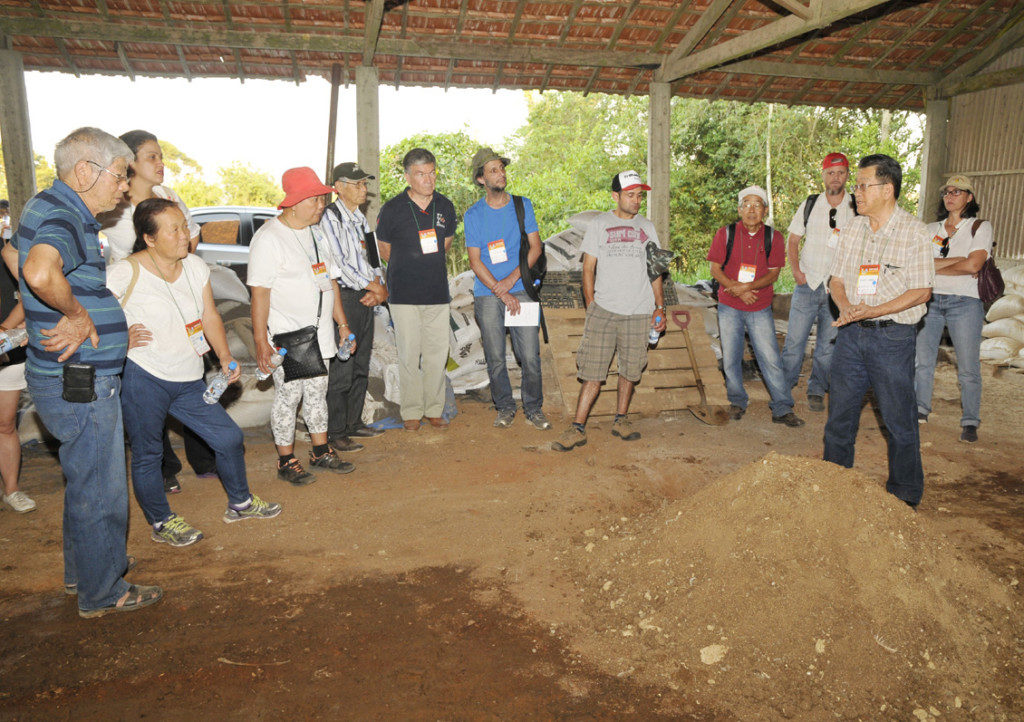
(862, 187)
(751, 204)
(944, 251)
(832, 218)
(117, 176)
(955, 192)
(357, 184)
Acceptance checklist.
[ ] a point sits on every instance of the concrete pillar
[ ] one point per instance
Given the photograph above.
(659, 158)
(368, 134)
(934, 157)
(17, 136)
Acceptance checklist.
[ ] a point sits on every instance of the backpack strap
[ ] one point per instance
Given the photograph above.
(808, 207)
(730, 238)
(524, 261)
(768, 233)
(134, 263)
(975, 226)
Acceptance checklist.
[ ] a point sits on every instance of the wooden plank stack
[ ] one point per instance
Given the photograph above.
(668, 383)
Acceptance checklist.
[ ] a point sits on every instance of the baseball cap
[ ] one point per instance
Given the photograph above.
(834, 159)
(300, 184)
(482, 157)
(627, 180)
(753, 191)
(349, 172)
(962, 182)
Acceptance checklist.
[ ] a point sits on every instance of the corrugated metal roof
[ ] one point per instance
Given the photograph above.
(884, 55)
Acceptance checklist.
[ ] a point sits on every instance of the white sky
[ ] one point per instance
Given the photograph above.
(272, 125)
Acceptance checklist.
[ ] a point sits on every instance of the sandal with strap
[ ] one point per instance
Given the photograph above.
(135, 598)
(72, 589)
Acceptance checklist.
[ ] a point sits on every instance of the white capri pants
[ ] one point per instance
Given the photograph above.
(287, 395)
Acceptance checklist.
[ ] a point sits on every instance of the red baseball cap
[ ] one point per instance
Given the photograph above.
(627, 180)
(834, 159)
(300, 184)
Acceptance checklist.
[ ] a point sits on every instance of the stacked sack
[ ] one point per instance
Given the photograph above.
(1003, 335)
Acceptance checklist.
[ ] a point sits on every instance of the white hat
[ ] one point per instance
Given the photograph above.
(627, 180)
(753, 191)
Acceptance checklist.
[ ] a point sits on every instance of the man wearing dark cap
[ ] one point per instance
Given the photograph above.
(493, 239)
(623, 305)
(362, 288)
(819, 220)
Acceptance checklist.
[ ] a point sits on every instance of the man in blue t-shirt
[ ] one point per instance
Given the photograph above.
(493, 240)
(77, 341)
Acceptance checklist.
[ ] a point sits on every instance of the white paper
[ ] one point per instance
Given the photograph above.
(529, 315)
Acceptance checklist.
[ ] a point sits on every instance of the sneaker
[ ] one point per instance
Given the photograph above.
(539, 420)
(816, 403)
(294, 474)
(570, 439)
(257, 509)
(790, 419)
(171, 485)
(329, 460)
(922, 418)
(736, 412)
(20, 502)
(177, 532)
(345, 444)
(623, 428)
(968, 435)
(504, 418)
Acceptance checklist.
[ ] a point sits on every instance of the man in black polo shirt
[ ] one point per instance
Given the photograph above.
(414, 231)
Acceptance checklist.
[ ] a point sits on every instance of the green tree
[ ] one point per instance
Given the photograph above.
(196, 192)
(178, 162)
(245, 185)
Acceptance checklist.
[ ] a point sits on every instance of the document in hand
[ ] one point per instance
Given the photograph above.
(529, 315)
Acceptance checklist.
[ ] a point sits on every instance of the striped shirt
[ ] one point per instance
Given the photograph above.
(347, 241)
(903, 253)
(57, 217)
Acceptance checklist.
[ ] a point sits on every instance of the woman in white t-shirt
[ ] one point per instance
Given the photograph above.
(166, 290)
(960, 245)
(291, 276)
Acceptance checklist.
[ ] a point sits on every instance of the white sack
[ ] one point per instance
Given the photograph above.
(1005, 307)
(1008, 327)
(999, 349)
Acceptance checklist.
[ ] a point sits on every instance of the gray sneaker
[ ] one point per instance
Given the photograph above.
(177, 532)
(570, 439)
(257, 509)
(539, 420)
(623, 428)
(504, 418)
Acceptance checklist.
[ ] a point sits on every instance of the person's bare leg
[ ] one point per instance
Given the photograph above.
(10, 445)
(586, 399)
(285, 450)
(318, 439)
(624, 396)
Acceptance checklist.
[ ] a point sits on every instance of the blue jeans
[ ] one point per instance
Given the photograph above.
(147, 401)
(881, 359)
(809, 307)
(760, 327)
(963, 316)
(91, 440)
(490, 317)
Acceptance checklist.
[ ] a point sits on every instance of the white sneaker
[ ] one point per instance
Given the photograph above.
(20, 502)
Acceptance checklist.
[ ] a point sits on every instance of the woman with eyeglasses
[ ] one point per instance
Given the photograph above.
(961, 243)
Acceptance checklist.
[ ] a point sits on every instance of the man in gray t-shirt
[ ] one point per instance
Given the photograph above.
(623, 305)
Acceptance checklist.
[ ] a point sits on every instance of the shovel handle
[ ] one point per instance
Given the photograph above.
(686, 319)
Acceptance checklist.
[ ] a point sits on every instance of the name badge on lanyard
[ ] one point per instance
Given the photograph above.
(196, 337)
(747, 271)
(497, 251)
(323, 281)
(833, 238)
(428, 241)
(867, 279)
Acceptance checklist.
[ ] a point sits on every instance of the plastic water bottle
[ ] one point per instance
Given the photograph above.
(345, 352)
(654, 335)
(218, 385)
(12, 339)
(276, 360)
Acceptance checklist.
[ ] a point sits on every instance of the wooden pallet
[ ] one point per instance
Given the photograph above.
(668, 382)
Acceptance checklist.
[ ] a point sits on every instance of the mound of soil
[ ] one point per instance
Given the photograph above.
(803, 588)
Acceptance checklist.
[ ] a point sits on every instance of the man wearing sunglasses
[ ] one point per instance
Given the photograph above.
(818, 220)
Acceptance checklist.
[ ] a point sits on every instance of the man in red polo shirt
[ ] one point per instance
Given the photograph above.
(746, 258)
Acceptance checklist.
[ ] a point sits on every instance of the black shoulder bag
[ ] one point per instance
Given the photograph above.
(303, 360)
(531, 276)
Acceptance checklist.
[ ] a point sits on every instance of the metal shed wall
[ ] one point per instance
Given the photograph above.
(986, 142)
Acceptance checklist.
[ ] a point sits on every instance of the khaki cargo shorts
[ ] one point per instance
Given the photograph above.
(606, 334)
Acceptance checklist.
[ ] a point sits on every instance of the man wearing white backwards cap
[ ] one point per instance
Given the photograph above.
(623, 304)
(746, 258)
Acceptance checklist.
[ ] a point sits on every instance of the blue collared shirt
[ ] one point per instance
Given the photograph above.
(347, 241)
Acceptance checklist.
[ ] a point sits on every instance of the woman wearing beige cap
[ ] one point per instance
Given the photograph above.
(961, 243)
(291, 273)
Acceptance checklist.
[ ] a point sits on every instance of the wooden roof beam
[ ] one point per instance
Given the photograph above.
(697, 32)
(239, 65)
(184, 63)
(63, 48)
(371, 30)
(763, 37)
(1011, 34)
(831, 72)
(797, 8)
(124, 61)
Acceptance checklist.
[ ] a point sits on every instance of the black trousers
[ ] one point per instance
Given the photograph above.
(200, 456)
(346, 382)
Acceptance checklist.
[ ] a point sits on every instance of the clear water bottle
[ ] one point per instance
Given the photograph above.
(654, 335)
(345, 352)
(276, 360)
(217, 386)
(10, 340)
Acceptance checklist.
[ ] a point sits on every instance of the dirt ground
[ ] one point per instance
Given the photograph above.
(718, 573)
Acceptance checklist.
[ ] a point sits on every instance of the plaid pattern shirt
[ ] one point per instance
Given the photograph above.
(347, 241)
(902, 250)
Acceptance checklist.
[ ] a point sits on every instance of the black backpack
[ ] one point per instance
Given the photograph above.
(532, 276)
(730, 237)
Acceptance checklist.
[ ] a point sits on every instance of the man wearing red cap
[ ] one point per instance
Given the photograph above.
(623, 304)
(819, 220)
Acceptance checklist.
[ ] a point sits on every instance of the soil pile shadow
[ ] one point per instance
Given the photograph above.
(805, 590)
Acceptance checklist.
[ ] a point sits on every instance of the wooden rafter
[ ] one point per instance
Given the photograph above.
(829, 72)
(240, 67)
(124, 61)
(797, 8)
(566, 28)
(696, 33)
(184, 63)
(616, 34)
(63, 48)
(371, 30)
(1011, 34)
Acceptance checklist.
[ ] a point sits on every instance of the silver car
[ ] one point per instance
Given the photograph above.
(226, 231)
